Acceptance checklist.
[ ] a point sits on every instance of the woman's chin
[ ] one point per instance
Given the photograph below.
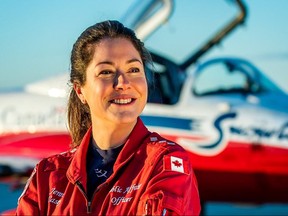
(125, 118)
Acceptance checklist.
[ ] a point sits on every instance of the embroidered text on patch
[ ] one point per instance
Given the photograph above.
(118, 191)
(55, 196)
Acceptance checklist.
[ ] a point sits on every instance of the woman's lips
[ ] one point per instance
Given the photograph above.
(122, 101)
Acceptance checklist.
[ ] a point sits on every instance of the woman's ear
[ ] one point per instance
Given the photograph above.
(78, 90)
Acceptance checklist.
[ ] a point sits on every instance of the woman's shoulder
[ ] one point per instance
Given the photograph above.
(57, 161)
(155, 140)
(169, 155)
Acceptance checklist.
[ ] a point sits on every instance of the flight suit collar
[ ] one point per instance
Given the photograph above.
(77, 169)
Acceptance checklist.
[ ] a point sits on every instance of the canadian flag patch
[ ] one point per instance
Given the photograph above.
(176, 164)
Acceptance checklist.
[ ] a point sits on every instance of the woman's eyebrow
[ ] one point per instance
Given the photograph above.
(111, 63)
(105, 62)
(134, 60)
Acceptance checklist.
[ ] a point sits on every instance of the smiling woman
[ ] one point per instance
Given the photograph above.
(116, 166)
(114, 90)
(102, 60)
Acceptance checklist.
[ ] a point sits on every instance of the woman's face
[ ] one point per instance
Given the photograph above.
(116, 87)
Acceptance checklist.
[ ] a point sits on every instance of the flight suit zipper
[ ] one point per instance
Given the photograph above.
(88, 202)
(81, 188)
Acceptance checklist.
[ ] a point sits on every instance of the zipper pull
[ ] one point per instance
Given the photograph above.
(89, 208)
(147, 208)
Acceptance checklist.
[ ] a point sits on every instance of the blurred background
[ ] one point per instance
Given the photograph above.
(37, 36)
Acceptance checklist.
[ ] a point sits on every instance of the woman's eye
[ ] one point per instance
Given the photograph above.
(134, 70)
(105, 72)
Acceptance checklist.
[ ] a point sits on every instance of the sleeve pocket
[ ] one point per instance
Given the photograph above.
(162, 203)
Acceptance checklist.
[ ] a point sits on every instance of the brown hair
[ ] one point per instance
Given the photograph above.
(79, 118)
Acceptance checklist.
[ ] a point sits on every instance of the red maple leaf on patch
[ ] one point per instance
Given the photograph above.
(177, 163)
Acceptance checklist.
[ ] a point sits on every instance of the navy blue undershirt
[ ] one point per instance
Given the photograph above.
(99, 166)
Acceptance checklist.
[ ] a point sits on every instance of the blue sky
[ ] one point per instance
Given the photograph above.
(37, 36)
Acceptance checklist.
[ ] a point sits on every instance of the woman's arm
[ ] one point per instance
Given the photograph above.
(28, 201)
(173, 188)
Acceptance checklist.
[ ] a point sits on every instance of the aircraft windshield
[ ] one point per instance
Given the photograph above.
(188, 33)
(229, 76)
(146, 16)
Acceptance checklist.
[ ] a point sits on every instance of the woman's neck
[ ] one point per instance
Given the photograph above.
(111, 136)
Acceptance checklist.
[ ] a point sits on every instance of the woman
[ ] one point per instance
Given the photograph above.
(116, 166)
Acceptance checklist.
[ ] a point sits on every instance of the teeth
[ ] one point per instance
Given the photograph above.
(122, 101)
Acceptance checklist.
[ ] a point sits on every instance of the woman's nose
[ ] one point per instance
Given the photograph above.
(121, 81)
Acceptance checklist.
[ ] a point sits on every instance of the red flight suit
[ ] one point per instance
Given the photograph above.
(151, 176)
